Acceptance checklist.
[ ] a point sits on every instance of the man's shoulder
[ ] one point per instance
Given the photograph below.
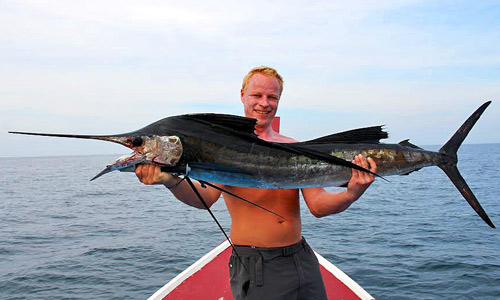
(273, 136)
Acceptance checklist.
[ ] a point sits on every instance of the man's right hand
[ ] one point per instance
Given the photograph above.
(152, 174)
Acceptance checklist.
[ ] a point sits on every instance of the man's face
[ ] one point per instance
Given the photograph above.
(261, 98)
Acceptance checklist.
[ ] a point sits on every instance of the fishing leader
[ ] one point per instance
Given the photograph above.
(279, 264)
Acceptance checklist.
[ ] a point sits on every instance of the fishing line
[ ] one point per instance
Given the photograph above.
(213, 217)
(241, 198)
(177, 170)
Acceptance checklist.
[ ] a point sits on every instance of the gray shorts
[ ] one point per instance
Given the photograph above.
(290, 272)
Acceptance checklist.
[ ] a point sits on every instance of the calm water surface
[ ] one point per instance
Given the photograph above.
(63, 237)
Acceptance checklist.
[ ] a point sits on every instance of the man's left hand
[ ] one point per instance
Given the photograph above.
(360, 180)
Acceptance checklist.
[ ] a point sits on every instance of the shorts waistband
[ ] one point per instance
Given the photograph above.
(269, 253)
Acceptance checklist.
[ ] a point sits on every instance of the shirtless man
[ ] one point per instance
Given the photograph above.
(279, 264)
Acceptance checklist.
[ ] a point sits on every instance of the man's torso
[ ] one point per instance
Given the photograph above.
(252, 226)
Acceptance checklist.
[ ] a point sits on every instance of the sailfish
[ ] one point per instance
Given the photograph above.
(221, 148)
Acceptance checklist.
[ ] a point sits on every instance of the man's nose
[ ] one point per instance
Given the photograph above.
(264, 101)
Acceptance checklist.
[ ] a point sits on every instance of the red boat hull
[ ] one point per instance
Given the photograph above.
(208, 278)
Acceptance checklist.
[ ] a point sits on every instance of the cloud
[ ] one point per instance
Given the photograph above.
(118, 65)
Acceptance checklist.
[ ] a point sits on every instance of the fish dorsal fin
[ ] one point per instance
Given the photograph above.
(406, 143)
(367, 135)
(237, 123)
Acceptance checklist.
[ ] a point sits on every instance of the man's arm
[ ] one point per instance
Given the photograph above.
(152, 174)
(322, 203)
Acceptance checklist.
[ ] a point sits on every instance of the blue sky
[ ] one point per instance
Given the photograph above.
(99, 67)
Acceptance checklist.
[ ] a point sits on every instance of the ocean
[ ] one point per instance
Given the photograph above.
(64, 237)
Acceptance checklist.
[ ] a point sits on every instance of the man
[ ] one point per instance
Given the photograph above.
(278, 262)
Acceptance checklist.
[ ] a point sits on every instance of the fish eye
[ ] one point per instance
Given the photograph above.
(137, 141)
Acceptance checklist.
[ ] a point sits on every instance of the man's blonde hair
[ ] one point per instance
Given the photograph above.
(268, 71)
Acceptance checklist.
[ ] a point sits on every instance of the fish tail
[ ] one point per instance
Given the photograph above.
(452, 145)
(449, 160)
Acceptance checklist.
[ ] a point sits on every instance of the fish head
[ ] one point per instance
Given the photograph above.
(164, 150)
(161, 150)
(154, 149)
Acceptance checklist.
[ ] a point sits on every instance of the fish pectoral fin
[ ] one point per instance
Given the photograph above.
(179, 169)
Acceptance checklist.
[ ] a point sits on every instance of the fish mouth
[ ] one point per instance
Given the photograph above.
(124, 163)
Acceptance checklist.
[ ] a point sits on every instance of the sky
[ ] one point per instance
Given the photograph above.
(102, 67)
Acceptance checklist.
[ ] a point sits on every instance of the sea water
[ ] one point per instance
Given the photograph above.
(64, 237)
